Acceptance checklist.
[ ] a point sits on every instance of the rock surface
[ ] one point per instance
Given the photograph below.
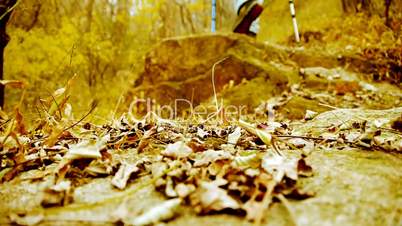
(182, 68)
(245, 72)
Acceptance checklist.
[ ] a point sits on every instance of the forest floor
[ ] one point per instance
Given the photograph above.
(330, 156)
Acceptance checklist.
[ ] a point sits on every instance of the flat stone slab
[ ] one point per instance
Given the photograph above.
(353, 187)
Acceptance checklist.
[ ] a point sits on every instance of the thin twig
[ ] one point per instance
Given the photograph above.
(213, 83)
(94, 105)
(328, 106)
(117, 106)
(358, 143)
(276, 147)
(394, 131)
(212, 116)
(265, 202)
(44, 108)
(72, 54)
(305, 137)
(8, 134)
(57, 105)
(4, 123)
(286, 203)
(9, 10)
(37, 110)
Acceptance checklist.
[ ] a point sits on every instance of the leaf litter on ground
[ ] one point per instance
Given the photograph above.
(238, 169)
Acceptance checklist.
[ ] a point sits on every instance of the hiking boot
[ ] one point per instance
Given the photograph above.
(247, 14)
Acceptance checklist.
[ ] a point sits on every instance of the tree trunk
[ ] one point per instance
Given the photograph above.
(387, 6)
(89, 9)
(6, 7)
(354, 6)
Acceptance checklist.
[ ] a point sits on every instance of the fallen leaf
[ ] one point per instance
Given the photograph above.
(353, 136)
(302, 144)
(57, 195)
(213, 198)
(197, 145)
(270, 126)
(184, 190)
(260, 133)
(20, 125)
(247, 160)
(280, 166)
(158, 169)
(61, 186)
(235, 136)
(310, 115)
(99, 167)
(303, 168)
(380, 122)
(201, 133)
(54, 136)
(60, 97)
(177, 150)
(162, 212)
(206, 157)
(397, 124)
(13, 83)
(86, 149)
(123, 174)
(145, 139)
(252, 209)
(27, 219)
(169, 189)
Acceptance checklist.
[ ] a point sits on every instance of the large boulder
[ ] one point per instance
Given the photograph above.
(179, 71)
(182, 68)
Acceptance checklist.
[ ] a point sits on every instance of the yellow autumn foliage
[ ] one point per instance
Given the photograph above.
(104, 42)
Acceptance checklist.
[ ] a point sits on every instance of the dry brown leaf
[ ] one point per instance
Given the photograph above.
(162, 212)
(260, 133)
(59, 98)
(201, 133)
(58, 194)
(252, 160)
(20, 125)
(206, 157)
(54, 136)
(235, 136)
(85, 149)
(123, 174)
(13, 83)
(27, 219)
(184, 190)
(145, 139)
(280, 166)
(303, 168)
(213, 198)
(177, 150)
(310, 115)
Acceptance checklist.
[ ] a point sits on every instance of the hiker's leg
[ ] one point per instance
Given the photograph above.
(255, 26)
(248, 12)
(239, 4)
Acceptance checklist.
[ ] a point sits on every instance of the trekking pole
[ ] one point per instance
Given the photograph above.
(213, 24)
(293, 13)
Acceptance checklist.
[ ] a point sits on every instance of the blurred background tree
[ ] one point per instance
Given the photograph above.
(6, 8)
(102, 41)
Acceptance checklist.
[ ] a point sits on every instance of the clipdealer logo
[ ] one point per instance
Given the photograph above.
(184, 109)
